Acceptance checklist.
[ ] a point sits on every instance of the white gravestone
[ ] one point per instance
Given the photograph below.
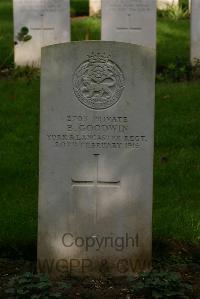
(95, 7)
(96, 159)
(165, 4)
(131, 21)
(195, 31)
(48, 22)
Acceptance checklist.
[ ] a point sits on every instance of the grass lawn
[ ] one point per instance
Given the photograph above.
(86, 29)
(177, 167)
(176, 194)
(173, 41)
(19, 112)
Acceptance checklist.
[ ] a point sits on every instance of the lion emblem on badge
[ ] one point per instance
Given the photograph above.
(98, 83)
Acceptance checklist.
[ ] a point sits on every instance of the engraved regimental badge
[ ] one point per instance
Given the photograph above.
(98, 82)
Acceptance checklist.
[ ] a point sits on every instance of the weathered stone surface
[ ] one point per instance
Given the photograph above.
(96, 158)
(195, 31)
(130, 21)
(47, 21)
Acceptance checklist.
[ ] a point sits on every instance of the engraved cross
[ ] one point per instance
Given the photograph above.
(43, 28)
(95, 183)
(130, 27)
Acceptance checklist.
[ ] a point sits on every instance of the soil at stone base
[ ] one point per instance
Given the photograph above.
(185, 258)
